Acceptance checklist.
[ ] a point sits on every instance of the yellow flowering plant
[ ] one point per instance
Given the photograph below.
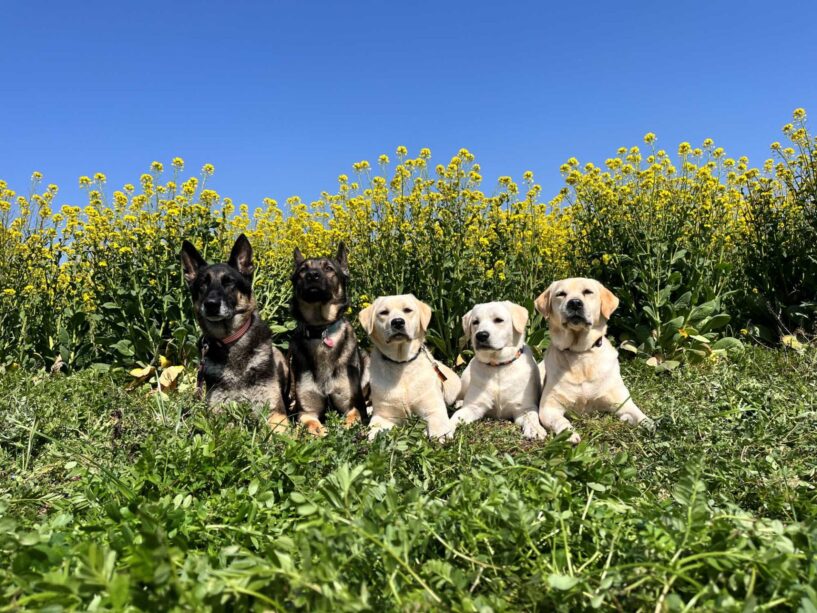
(685, 244)
(661, 237)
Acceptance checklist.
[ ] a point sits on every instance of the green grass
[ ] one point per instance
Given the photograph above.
(109, 500)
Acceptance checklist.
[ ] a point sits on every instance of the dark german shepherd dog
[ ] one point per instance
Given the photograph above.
(327, 368)
(238, 359)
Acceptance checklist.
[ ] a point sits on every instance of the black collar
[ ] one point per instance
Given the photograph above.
(314, 332)
(593, 346)
(411, 359)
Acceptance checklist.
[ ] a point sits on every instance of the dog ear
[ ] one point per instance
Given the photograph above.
(191, 262)
(425, 313)
(466, 325)
(519, 316)
(298, 257)
(343, 258)
(241, 257)
(366, 318)
(609, 302)
(542, 302)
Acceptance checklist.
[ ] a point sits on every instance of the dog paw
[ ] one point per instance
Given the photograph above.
(537, 433)
(648, 424)
(316, 428)
(574, 439)
(352, 418)
(278, 422)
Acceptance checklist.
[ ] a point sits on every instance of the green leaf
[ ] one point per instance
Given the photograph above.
(562, 582)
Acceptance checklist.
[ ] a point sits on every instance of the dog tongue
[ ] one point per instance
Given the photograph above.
(328, 341)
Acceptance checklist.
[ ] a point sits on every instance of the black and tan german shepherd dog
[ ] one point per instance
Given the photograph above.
(327, 368)
(238, 359)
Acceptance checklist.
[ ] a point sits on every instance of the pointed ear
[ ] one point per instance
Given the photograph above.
(366, 317)
(241, 257)
(298, 257)
(519, 316)
(425, 313)
(609, 302)
(466, 324)
(343, 258)
(542, 302)
(191, 262)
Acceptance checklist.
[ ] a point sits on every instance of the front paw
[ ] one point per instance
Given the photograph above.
(278, 422)
(648, 424)
(534, 432)
(574, 439)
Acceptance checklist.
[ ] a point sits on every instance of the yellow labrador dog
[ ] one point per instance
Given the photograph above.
(404, 379)
(502, 380)
(581, 367)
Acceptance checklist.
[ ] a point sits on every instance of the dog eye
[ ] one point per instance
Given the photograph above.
(561, 294)
(587, 292)
(407, 310)
(227, 282)
(384, 312)
(498, 320)
(475, 322)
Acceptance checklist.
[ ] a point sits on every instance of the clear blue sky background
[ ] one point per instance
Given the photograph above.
(283, 96)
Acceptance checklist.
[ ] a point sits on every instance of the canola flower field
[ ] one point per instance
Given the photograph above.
(119, 491)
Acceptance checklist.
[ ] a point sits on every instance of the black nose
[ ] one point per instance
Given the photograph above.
(398, 323)
(312, 275)
(482, 336)
(574, 304)
(212, 307)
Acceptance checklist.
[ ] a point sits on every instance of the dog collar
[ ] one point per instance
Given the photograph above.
(393, 361)
(506, 362)
(315, 332)
(595, 345)
(223, 342)
(440, 374)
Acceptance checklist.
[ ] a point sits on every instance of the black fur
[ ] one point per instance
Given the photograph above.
(324, 376)
(250, 368)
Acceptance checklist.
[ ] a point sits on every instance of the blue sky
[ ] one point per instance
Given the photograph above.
(283, 96)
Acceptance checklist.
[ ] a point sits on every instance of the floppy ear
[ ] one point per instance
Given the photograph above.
(343, 258)
(241, 257)
(366, 317)
(609, 302)
(542, 302)
(519, 316)
(191, 262)
(425, 313)
(466, 324)
(298, 257)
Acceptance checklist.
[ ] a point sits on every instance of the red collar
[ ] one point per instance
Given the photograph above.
(513, 359)
(229, 340)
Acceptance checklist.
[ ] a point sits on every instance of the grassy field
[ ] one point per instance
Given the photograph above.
(114, 500)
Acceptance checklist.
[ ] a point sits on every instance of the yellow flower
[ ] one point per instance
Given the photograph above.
(157, 167)
(402, 151)
(649, 138)
(100, 178)
(208, 169)
(799, 114)
(178, 163)
(36, 176)
(684, 148)
(84, 181)
(9, 292)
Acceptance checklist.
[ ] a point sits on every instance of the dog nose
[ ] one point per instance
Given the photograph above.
(574, 304)
(212, 307)
(312, 275)
(398, 323)
(482, 336)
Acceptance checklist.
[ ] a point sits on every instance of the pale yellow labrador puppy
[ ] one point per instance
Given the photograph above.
(581, 366)
(403, 377)
(502, 380)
